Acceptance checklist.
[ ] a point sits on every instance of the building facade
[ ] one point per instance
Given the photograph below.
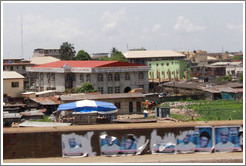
(168, 69)
(13, 84)
(40, 52)
(105, 76)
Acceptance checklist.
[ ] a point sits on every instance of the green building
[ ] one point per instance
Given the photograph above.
(168, 69)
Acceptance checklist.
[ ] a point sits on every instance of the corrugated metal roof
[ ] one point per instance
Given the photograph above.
(52, 100)
(152, 54)
(12, 75)
(77, 97)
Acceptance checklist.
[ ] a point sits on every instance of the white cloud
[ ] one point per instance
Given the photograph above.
(112, 20)
(156, 27)
(232, 27)
(184, 25)
(63, 29)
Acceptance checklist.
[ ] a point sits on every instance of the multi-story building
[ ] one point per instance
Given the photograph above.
(168, 69)
(40, 52)
(18, 65)
(105, 76)
(154, 55)
(96, 56)
(234, 69)
(165, 64)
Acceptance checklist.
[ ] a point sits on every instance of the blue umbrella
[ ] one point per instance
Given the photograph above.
(85, 106)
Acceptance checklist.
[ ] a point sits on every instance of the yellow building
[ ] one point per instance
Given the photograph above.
(13, 84)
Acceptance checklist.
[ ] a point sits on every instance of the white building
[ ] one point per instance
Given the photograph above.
(105, 76)
(232, 68)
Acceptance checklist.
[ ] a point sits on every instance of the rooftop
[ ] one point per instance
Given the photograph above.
(43, 60)
(152, 54)
(77, 97)
(89, 64)
(12, 75)
(51, 100)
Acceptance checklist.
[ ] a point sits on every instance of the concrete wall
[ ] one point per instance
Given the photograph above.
(46, 142)
(13, 91)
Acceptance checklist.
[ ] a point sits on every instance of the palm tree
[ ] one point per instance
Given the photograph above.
(67, 51)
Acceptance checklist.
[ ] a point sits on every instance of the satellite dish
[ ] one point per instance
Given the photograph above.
(10, 61)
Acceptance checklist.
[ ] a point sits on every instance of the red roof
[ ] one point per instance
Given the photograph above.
(90, 64)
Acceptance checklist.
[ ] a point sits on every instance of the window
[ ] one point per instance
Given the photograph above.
(17, 67)
(149, 64)
(130, 107)
(14, 84)
(48, 76)
(11, 68)
(140, 75)
(110, 77)
(117, 89)
(23, 67)
(118, 105)
(162, 64)
(88, 78)
(117, 77)
(110, 90)
(139, 107)
(100, 77)
(157, 64)
(81, 78)
(100, 89)
(3, 67)
(127, 76)
(141, 86)
(167, 64)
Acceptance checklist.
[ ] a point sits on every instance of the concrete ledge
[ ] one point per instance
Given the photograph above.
(234, 157)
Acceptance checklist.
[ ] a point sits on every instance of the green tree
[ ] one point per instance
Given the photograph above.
(241, 78)
(82, 55)
(67, 51)
(113, 51)
(227, 78)
(86, 87)
(237, 57)
(104, 58)
(118, 56)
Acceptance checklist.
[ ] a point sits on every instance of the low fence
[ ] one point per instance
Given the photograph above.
(148, 138)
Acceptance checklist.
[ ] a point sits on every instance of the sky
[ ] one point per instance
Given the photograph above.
(98, 27)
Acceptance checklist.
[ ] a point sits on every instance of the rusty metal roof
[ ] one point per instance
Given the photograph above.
(76, 97)
(51, 100)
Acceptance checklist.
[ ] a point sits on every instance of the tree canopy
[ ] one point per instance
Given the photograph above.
(115, 56)
(86, 87)
(237, 57)
(82, 55)
(67, 51)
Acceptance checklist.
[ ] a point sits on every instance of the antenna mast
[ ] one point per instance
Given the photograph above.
(21, 38)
